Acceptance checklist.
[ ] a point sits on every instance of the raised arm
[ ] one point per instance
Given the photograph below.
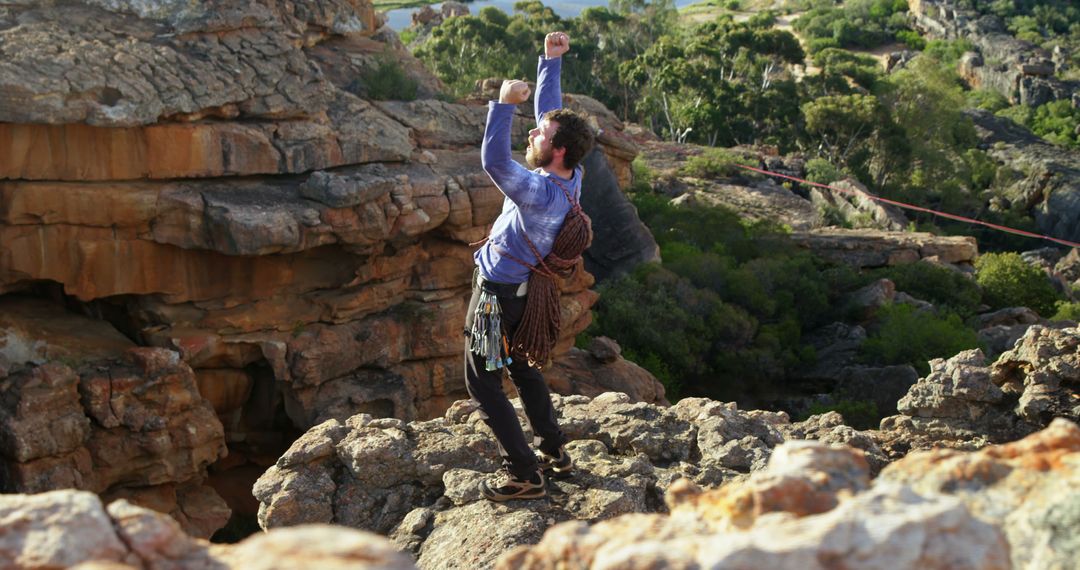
(548, 72)
(514, 180)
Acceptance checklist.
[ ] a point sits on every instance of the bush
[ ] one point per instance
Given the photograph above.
(386, 81)
(1008, 281)
(822, 171)
(1066, 311)
(905, 336)
(717, 163)
(912, 39)
(945, 288)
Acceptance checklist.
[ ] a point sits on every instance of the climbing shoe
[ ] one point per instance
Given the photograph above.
(504, 486)
(558, 466)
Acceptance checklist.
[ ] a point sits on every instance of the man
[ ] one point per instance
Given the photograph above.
(534, 208)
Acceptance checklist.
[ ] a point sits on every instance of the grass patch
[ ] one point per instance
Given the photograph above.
(385, 5)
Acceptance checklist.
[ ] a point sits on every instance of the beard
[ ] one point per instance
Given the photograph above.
(536, 158)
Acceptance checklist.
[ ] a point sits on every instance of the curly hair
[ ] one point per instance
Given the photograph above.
(574, 134)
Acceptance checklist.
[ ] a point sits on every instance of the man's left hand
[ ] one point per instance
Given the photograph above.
(556, 44)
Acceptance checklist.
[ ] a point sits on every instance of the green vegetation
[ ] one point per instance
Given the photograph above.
(908, 336)
(1008, 281)
(1056, 121)
(386, 5)
(386, 80)
(853, 24)
(718, 163)
(945, 288)
(1047, 23)
(1066, 311)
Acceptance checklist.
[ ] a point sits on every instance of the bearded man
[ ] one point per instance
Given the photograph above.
(536, 203)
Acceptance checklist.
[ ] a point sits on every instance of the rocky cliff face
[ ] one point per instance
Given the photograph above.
(1020, 71)
(1048, 175)
(812, 494)
(642, 466)
(205, 178)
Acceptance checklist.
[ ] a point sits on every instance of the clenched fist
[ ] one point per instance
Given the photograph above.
(514, 91)
(556, 44)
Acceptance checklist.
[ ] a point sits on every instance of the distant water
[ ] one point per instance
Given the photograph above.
(401, 18)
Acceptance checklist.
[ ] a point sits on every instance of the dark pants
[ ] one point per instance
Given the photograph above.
(486, 388)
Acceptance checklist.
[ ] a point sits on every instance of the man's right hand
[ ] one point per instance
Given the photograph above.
(514, 91)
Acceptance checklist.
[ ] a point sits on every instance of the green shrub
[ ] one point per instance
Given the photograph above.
(716, 163)
(859, 414)
(641, 176)
(987, 100)
(407, 36)
(945, 288)
(385, 81)
(1066, 311)
(912, 39)
(1008, 281)
(822, 171)
(905, 336)
(948, 52)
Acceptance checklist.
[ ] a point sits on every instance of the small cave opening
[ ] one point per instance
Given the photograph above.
(258, 431)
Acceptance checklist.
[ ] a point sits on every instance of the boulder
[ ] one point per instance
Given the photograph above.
(1046, 185)
(620, 240)
(967, 403)
(857, 207)
(73, 529)
(874, 248)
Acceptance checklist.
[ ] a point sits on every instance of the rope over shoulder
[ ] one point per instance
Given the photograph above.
(538, 331)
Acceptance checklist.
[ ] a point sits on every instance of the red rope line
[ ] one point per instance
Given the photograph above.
(921, 209)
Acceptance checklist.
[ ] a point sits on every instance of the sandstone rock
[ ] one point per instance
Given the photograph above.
(107, 84)
(600, 369)
(865, 302)
(1025, 488)
(72, 529)
(417, 481)
(1000, 329)
(857, 206)
(84, 408)
(802, 497)
(1042, 371)
(56, 530)
(872, 248)
(1047, 187)
(620, 240)
(966, 403)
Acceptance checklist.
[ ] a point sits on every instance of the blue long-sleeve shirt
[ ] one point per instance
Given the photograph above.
(534, 204)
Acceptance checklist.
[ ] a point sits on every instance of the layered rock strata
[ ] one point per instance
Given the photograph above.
(103, 415)
(208, 179)
(876, 248)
